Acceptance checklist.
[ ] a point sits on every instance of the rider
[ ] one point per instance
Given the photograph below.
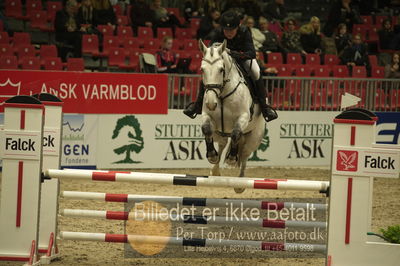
(240, 46)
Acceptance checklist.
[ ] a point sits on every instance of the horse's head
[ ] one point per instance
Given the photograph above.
(213, 72)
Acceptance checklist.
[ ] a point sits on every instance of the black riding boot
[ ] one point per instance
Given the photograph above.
(194, 108)
(261, 93)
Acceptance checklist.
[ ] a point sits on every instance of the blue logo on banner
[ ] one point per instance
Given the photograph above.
(388, 128)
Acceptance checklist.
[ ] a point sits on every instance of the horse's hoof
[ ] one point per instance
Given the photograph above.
(231, 160)
(212, 157)
(239, 190)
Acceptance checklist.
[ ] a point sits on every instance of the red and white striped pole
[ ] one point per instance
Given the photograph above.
(176, 241)
(189, 201)
(201, 181)
(191, 219)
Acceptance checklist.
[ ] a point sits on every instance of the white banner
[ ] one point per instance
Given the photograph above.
(175, 141)
(79, 140)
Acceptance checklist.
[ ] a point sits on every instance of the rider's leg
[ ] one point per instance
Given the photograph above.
(194, 108)
(260, 90)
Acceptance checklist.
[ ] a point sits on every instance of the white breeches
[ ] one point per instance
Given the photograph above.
(252, 67)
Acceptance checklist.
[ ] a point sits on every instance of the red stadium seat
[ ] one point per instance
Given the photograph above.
(331, 59)
(163, 32)
(108, 43)
(322, 71)
(8, 62)
(379, 20)
(130, 43)
(6, 49)
(47, 51)
(303, 70)
(122, 20)
(124, 31)
(294, 59)
(118, 10)
(313, 59)
(52, 7)
(373, 60)
(145, 32)
(152, 44)
(174, 11)
(75, 64)
(106, 30)
(182, 33)
(367, 20)
(4, 38)
(21, 38)
(25, 51)
(39, 20)
(33, 5)
(274, 58)
(31, 63)
(340, 71)
(1, 25)
(90, 44)
(284, 70)
(116, 57)
(190, 44)
(377, 72)
(53, 63)
(359, 87)
(13, 8)
(359, 72)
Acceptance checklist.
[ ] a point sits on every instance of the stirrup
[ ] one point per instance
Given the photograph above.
(189, 113)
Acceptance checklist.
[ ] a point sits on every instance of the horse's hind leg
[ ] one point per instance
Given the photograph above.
(221, 146)
(212, 155)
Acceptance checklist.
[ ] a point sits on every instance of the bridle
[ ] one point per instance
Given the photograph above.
(220, 87)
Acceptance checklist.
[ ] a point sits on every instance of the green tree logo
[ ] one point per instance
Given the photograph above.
(134, 138)
(263, 147)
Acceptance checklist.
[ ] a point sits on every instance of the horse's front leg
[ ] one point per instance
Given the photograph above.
(207, 129)
(237, 132)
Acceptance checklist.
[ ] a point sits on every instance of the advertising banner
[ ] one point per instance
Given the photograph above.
(175, 141)
(388, 128)
(92, 93)
(79, 140)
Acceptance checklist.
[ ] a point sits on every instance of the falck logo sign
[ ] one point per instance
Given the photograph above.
(347, 161)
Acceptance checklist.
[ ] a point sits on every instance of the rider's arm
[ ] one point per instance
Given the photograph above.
(248, 52)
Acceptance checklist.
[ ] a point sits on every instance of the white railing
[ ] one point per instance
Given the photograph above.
(306, 94)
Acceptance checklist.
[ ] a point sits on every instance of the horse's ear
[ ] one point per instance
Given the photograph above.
(222, 47)
(202, 46)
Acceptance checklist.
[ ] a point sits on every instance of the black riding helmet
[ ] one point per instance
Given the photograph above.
(229, 20)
